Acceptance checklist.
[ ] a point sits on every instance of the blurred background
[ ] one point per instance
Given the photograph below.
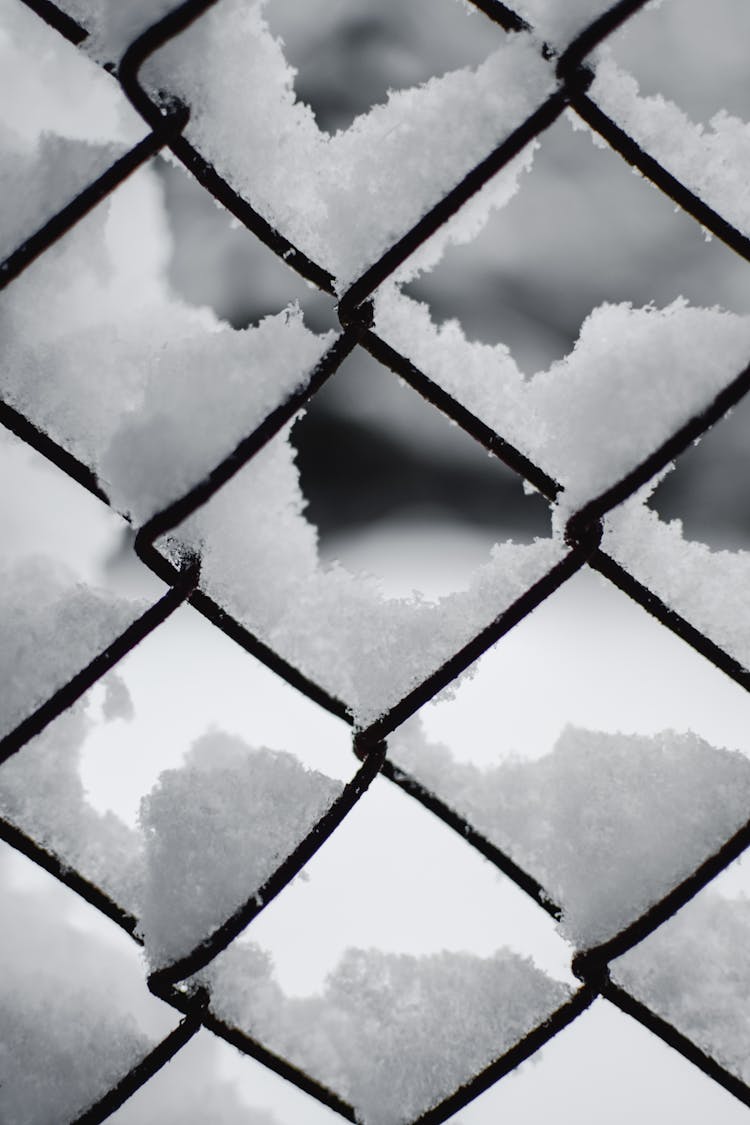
(582, 229)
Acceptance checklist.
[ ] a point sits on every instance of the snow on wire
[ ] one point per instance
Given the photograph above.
(195, 966)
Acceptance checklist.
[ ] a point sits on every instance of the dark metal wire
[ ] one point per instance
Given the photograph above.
(167, 119)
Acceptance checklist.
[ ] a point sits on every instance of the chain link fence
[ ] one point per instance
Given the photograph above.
(167, 119)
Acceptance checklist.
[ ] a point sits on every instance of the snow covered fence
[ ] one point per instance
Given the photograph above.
(356, 215)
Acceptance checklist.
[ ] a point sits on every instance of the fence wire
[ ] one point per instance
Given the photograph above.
(167, 120)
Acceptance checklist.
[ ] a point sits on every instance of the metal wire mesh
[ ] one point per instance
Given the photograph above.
(167, 121)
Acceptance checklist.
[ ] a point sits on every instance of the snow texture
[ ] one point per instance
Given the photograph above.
(340, 629)
(393, 1034)
(51, 628)
(215, 830)
(41, 792)
(175, 389)
(608, 823)
(62, 123)
(632, 379)
(712, 160)
(344, 199)
(211, 832)
(66, 1033)
(702, 585)
(694, 972)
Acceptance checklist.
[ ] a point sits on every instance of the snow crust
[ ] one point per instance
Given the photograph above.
(214, 830)
(393, 1034)
(175, 389)
(343, 199)
(694, 972)
(713, 160)
(338, 628)
(633, 377)
(51, 626)
(607, 823)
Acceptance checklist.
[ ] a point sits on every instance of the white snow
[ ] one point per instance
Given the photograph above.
(694, 972)
(633, 377)
(338, 628)
(62, 123)
(393, 1034)
(608, 823)
(343, 199)
(713, 160)
(175, 388)
(112, 24)
(67, 1033)
(193, 1089)
(702, 585)
(558, 21)
(215, 830)
(51, 626)
(41, 793)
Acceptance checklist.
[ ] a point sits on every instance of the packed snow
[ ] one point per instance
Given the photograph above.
(608, 823)
(695, 973)
(215, 830)
(713, 160)
(392, 1034)
(632, 379)
(52, 627)
(344, 199)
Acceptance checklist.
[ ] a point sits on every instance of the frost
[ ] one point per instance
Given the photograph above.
(713, 160)
(393, 1034)
(344, 199)
(632, 379)
(175, 388)
(608, 823)
(702, 585)
(694, 972)
(66, 1034)
(52, 627)
(215, 830)
(338, 628)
